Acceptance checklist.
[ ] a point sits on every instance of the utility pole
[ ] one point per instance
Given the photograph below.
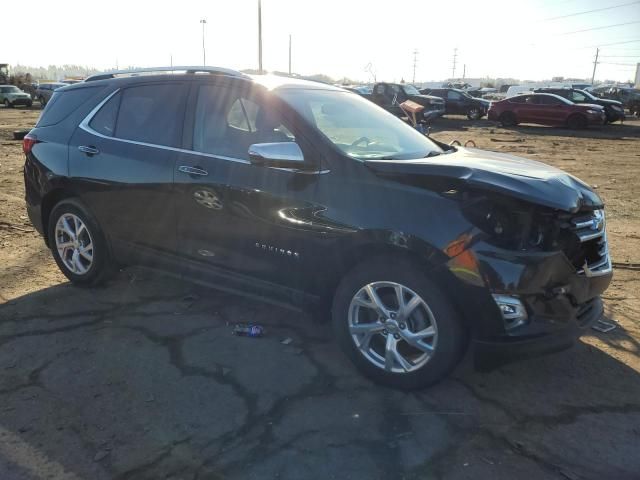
(464, 70)
(595, 64)
(455, 57)
(289, 54)
(259, 36)
(415, 61)
(204, 56)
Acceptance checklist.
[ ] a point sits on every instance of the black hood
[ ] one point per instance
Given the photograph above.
(425, 99)
(606, 101)
(527, 180)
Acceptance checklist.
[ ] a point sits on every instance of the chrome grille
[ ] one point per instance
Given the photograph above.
(590, 228)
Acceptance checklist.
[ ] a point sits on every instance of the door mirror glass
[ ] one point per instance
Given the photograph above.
(278, 154)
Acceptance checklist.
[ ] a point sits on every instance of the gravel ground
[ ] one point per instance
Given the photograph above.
(142, 379)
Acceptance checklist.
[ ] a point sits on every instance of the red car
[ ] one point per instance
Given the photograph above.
(545, 109)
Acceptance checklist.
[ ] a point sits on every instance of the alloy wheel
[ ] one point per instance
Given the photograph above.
(74, 243)
(392, 327)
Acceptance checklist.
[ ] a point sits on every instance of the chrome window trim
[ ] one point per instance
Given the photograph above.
(84, 125)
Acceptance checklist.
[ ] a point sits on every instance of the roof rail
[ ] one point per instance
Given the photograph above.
(189, 69)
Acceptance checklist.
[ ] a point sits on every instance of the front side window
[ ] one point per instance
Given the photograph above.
(578, 97)
(228, 121)
(151, 114)
(358, 127)
(411, 90)
(520, 99)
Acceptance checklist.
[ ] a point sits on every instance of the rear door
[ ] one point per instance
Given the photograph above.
(122, 160)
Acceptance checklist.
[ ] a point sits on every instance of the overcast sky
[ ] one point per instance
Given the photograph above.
(496, 38)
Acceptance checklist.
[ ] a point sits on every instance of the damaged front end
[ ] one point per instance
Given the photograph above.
(544, 268)
(530, 258)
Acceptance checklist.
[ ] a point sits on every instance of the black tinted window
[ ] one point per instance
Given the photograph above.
(152, 114)
(228, 121)
(104, 121)
(62, 104)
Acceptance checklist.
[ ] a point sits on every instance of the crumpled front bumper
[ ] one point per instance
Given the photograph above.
(561, 304)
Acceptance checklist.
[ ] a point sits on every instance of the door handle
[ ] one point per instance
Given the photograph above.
(192, 170)
(89, 150)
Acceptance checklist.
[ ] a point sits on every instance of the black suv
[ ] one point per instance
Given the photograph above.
(306, 194)
(459, 102)
(612, 108)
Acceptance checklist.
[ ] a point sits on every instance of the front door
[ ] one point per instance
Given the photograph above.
(233, 215)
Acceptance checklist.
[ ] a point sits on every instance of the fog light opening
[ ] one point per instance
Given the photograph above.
(512, 309)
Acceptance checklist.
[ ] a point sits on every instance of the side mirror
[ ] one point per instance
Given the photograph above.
(280, 155)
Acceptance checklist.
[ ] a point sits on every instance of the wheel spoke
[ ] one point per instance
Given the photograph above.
(366, 331)
(63, 245)
(80, 268)
(67, 228)
(376, 302)
(408, 308)
(87, 252)
(389, 353)
(416, 339)
(404, 363)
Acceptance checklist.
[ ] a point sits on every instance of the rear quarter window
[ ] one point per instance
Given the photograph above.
(62, 104)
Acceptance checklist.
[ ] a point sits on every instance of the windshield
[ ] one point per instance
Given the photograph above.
(410, 90)
(587, 94)
(358, 127)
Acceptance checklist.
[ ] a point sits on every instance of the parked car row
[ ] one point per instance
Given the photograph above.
(546, 109)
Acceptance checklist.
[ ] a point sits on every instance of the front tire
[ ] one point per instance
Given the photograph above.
(577, 122)
(7, 104)
(396, 325)
(508, 119)
(78, 244)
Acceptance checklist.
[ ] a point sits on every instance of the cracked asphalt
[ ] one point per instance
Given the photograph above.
(143, 378)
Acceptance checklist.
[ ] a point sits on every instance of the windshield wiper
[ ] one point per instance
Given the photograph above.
(432, 154)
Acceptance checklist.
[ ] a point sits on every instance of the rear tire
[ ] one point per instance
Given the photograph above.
(508, 119)
(577, 121)
(382, 351)
(78, 244)
(7, 104)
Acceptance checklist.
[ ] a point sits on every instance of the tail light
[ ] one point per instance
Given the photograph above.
(28, 142)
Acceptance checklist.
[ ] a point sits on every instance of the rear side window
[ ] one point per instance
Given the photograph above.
(62, 104)
(152, 114)
(104, 122)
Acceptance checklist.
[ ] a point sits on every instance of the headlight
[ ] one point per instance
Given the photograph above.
(594, 112)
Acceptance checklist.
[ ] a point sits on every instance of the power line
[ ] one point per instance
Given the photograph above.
(620, 56)
(600, 28)
(610, 44)
(619, 64)
(587, 11)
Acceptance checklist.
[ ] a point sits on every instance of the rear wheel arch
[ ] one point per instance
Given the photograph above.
(49, 201)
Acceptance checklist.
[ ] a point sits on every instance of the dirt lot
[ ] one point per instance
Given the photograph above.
(143, 379)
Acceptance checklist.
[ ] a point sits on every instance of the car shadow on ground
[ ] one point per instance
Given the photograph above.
(144, 379)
